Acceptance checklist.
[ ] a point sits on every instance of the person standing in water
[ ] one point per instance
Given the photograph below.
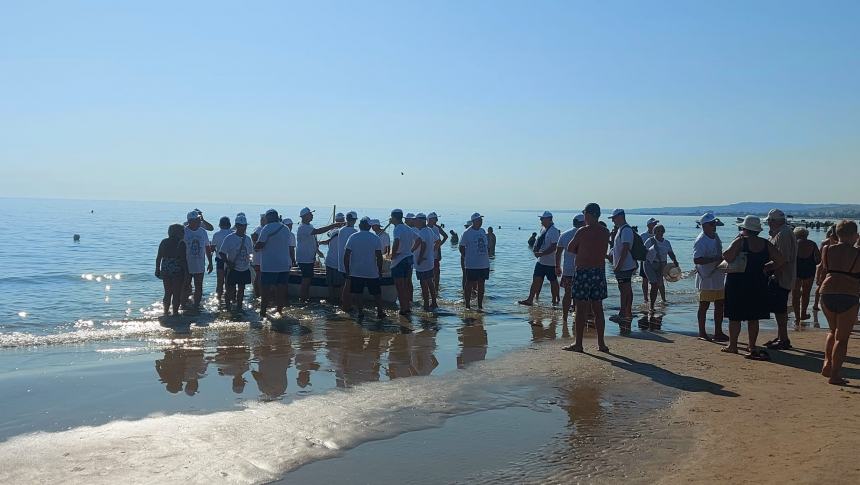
(623, 265)
(362, 262)
(196, 246)
(307, 247)
(223, 231)
(424, 262)
(710, 279)
(274, 245)
(782, 278)
(659, 252)
(808, 257)
(565, 268)
(646, 236)
(475, 261)
(257, 257)
(544, 250)
(333, 278)
(441, 237)
(491, 242)
(345, 231)
(235, 251)
(171, 268)
(383, 236)
(404, 242)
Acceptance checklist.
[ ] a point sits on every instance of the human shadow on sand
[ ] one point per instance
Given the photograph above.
(812, 361)
(666, 377)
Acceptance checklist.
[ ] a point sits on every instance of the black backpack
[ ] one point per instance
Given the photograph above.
(638, 250)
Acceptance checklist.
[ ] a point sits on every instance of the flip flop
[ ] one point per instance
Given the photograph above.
(603, 349)
(525, 302)
(726, 350)
(572, 348)
(840, 382)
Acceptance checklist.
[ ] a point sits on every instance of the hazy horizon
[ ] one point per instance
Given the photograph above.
(480, 104)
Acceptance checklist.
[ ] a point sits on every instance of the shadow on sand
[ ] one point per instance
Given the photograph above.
(665, 377)
(812, 361)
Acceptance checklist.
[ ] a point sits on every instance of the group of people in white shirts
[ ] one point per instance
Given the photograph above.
(353, 262)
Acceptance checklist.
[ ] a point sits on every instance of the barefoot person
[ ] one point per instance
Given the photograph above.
(747, 284)
(565, 264)
(307, 247)
(223, 231)
(808, 257)
(424, 261)
(646, 236)
(362, 262)
(274, 245)
(841, 265)
(236, 252)
(623, 264)
(589, 246)
(171, 267)
(491, 242)
(441, 238)
(710, 279)
(383, 236)
(333, 278)
(659, 252)
(343, 235)
(829, 239)
(404, 242)
(475, 260)
(783, 276)
(196, 247)
(544, 250)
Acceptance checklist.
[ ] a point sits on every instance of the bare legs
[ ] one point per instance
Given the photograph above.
(305, 288)
(719, 307)
(735, 331)
(403, 286)
(626, 291)
(471, 286)
(534, 291)
(800, 299)
(197, 279)
(582, 308)
(173, 289)
(836, 344)
(234, 293)
(567, 301)
(428, 293)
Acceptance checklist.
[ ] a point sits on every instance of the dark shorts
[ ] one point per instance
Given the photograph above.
(403, 269)
(642, 271)
(777, 297)
(239, 277)
(478, 274)
(424, 275)
(590, 284)
(839, 303)
(544, 271)
(219, 265)
(333, 277)
(357, 285)
(624, 276)
(269, 278)
(307, 270)
(566, 282)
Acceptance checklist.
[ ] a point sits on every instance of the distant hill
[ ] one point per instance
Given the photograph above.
(848, 211)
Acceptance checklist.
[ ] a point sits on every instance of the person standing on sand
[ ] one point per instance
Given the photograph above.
(383, 236)
(362, 262)
(404, 242)
(273, 243)
(747, 284)
(475, 261)
(839, 297)
(544, 250)
(171, 267)
(589, 246)
(659, 252)
(566, 268)
(217, 238)
(441, 237)
(782, 280)
(710, 279)
(196, 246)
(808, 257)
(333, 278)
(236, 250)
(646, 236)
(424, 259)
(307, 247)
(491, 242)
(623, 265)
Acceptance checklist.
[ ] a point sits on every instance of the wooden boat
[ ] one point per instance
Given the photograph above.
(319, 287)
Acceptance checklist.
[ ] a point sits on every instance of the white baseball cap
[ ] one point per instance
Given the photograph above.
(707, 217)
(304, 212)
(616, 213)
(475, 217)
(192, 215)
(397, 212)
(651, 221)
(410, 215)
(579, 218)
(288, 221)
(421, 215)
(241, 220)
(351, 215)
(374, 222)
(366, 220)
(432, 215)
(546, 214)
(339, 217)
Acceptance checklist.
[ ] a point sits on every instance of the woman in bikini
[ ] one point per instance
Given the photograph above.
(808, 257)
(839, 297)
(829, 239)
(171, 267)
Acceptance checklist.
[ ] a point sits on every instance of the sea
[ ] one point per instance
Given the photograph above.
(82, 347)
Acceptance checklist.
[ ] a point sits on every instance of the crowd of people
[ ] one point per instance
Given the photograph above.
(746, 281)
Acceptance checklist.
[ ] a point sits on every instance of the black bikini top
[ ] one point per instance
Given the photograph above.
(847, 273)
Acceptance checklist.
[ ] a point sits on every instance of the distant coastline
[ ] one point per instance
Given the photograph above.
(797, 211)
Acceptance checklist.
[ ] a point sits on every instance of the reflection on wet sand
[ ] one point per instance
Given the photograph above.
(353, 355)
(544, 325)
(473, 341)
(583, 408)
(231, 359)
(181, 366)
(273, 355)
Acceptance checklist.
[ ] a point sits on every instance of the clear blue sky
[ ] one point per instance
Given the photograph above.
(481, 104)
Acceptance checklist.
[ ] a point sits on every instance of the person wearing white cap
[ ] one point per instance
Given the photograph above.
(441, 238)
(196, 248)
(710, 279)
(277, 254)
(383, 236)
(289, 223)
(565, 268)
(404, 241)
(362, 262)
(235, 251)
(623, 264)
(307, 247)
(345, 231)
(257, 258)
(424, 261)
(333, 278)
(544, 251)
(782, 279)
(224, 229)
(656, 260)
(749, 257)
(203, 222)
(475, 260)
(646, 236)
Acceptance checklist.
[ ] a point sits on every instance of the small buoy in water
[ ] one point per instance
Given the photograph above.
(77, 237)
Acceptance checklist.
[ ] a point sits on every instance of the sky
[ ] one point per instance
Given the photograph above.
(490, 104)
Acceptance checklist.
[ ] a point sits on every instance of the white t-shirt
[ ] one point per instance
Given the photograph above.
(475, 242)
(363, 246)
(386, 240)
(624, 235)
(436, 254)
(429, 237)
(276, 253)
(306, 250)
(552, 235)
(343, 237)
(406, 235)
(331, 254)
(568, 262)
(219, 236)
(292, 237)
(658, 251)
(709, 276)
(258, 256)
(195, 249)
(236, 251)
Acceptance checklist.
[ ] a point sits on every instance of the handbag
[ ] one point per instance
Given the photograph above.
(739, 265)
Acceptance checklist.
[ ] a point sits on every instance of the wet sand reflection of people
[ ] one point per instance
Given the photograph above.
(179, 366)
(306, 360)
(273, 355)
(354, 354)
(582, 404)
(537, 319)
(412, 354)
(232, 359)
(473, 341)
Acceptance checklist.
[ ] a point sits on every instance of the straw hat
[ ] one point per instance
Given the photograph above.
(672, 273)
(751, 223)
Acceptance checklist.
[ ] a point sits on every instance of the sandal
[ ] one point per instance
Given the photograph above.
(573, 348)
(758, 354)
(840, 382)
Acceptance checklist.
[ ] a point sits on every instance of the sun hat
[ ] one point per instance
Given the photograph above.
(351, 215)
(672, 273)
(432, 215)
(616, 213)
(707, 217)
(241, 220)
(651, 221)
(751, 223)
(305, 212)
(339, 217)
(775, 215)
(475, 217)
(546, 215)
(192, 216)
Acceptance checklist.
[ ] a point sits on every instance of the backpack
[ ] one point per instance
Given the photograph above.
(638, 250)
